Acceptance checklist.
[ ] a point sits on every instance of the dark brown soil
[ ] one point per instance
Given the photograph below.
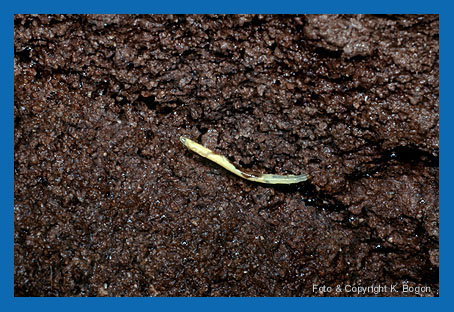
(109, 203)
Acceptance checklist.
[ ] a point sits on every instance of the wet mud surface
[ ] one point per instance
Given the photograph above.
(108, 202)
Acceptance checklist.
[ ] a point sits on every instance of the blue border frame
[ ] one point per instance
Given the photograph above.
(9, 302)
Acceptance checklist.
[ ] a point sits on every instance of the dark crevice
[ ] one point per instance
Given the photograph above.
(140, 154)
(123, 102)
(188, 52)
(149, 101)
(310, 196)
(25, 55)
(247, 166)
(202, 130)
(412, 156)
(325, 53)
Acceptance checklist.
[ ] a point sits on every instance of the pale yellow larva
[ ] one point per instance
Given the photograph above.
(256, 177)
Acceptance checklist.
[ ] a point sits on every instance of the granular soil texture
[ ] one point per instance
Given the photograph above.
(108, 202)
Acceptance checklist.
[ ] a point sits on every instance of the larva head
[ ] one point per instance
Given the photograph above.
(183, 140)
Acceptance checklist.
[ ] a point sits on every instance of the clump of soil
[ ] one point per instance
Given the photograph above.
(109, 203)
